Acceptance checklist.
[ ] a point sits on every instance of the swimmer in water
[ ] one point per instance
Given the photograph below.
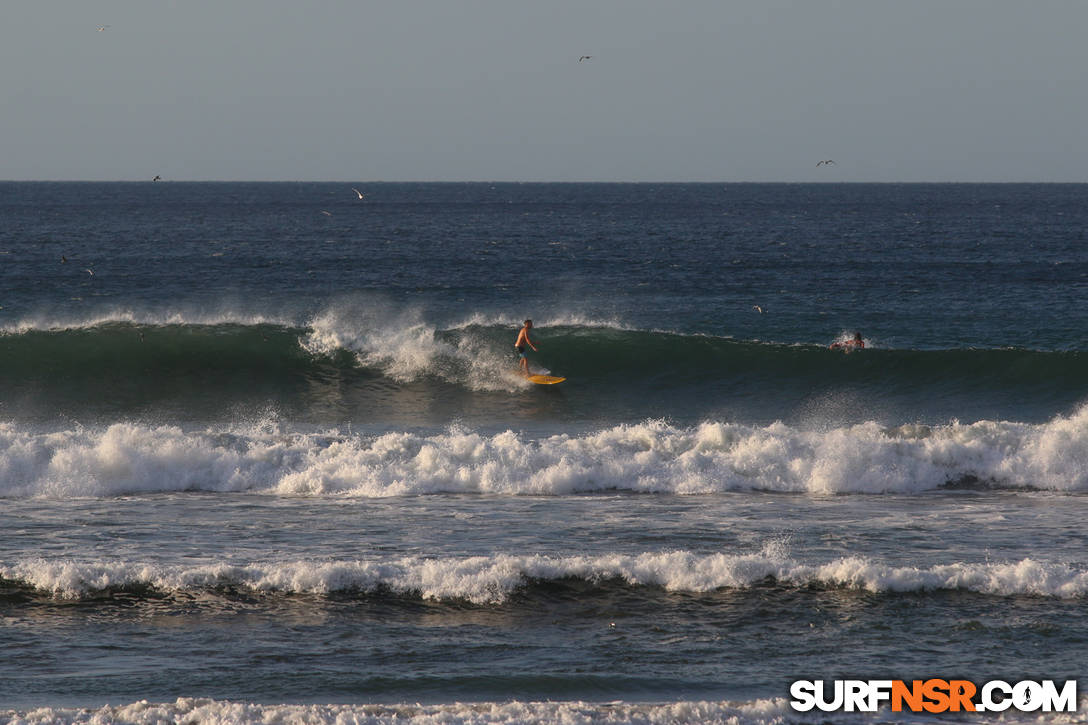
(855, 344)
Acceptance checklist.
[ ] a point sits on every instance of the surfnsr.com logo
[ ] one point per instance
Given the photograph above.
(933, 696)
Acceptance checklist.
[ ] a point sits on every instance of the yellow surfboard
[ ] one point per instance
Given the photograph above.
(545, 379)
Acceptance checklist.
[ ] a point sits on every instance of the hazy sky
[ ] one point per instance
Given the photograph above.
(676, 90)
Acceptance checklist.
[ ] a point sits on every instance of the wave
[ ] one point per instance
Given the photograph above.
(648, 457)
(125, 360)
(475, 353)
(489, 580)
(151, 354)
(104, 318)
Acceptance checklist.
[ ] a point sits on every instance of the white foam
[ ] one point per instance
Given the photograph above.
(129, 458)
(406, 346)
(713, 457)
(649, 457)
(492, 579)
(771, 711)
(194, 710)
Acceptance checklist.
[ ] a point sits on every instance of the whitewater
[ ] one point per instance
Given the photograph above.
(483, 580)
(647, 457)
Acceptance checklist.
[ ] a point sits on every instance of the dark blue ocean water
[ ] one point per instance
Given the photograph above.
(914, 266)
(263, 446)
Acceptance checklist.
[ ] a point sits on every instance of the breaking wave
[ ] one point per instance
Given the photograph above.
(363, 341)
(647, 457)
(487, 580)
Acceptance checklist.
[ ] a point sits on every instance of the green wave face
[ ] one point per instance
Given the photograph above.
(127, 369)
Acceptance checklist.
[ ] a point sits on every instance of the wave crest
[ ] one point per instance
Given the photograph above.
(488, 580)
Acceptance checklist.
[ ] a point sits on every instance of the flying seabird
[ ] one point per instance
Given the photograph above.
(89, 271)
(829, 161)
(357, 192)
(326, 213)
(758, 309)
(584, 57)
(157, 178)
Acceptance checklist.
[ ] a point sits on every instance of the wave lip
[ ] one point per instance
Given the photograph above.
(488, 580)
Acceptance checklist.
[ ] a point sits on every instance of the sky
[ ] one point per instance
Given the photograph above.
(494, 90)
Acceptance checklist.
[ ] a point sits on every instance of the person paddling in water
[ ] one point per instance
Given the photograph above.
(856, 344)
(519, 346)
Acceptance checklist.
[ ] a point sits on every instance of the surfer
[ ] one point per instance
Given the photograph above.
(855, 344)
(519, 347)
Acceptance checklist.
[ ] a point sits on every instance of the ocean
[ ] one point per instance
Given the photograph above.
(265, 455)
